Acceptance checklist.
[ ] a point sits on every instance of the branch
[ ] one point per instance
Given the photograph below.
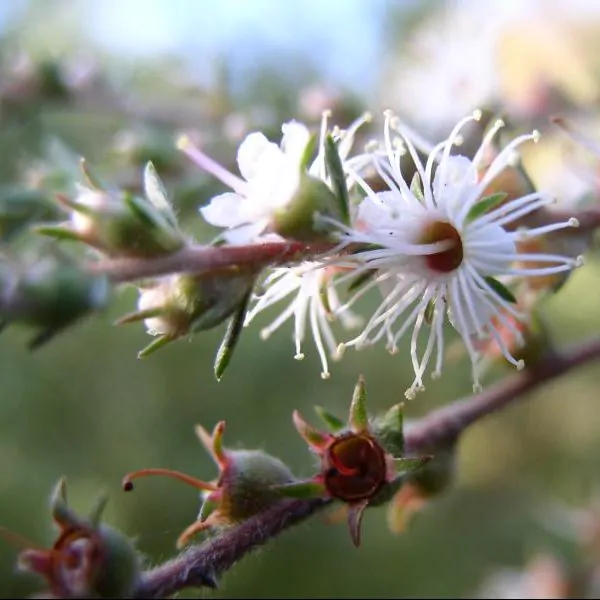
(202, 259)
(201, 565)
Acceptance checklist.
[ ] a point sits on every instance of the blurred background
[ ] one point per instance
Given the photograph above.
(116, 81)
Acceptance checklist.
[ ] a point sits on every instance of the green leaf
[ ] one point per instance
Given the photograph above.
(389, 429)
(91, 176)
(484, 205)
(157, 194)
(416, 188)
(501, 290)
(155, 345)
(301, 489)
(334, 423)
(359, 419)
(231, 338)
(324, 297)
(361, 279)
(335, 171)
(140, 315)
(429, 310)
(308, 153)
(410, 464)
(45, 336)
(95, 515)
(56, 231)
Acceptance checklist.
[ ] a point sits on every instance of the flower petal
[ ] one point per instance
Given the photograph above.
(247, 234)
(499, 244)
(225, 210)
(255, 154)
(295, 139)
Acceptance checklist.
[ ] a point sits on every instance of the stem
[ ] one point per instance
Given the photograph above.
(198, 259)
(201, 565)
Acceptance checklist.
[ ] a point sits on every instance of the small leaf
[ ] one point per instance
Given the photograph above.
(95, 514)
(501, 290)
(389, 429)
(429, 311)
(361, 279)
(308, 152)
(140, 209)
(403, 508)
(208, 507)
(359, 420)
(92, 178)
(44, 336)
(334, 423)
(157, 194)
(355, 515)
(61, 513)
(335, 171)
(155, 345)
(218, 449)
(324, 297)
(416, 188)
(231, 337)
(57, 232)
(410, 464)
(315, 438)
(140, 315)
(484, 205)
(301, 489)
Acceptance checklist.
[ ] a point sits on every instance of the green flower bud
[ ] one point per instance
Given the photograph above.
(301, 218)
(181, 305)
(119, 223)
(246, 484)
(49, 294)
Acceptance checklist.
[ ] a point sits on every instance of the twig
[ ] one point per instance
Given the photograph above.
(202, 259)
(201, 565)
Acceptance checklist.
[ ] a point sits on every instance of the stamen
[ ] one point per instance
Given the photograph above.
(497, 166)
(196, 483)
(211, 166)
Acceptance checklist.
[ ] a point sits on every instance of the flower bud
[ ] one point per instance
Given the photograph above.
(119, 223)
(20, 207)
(300, 218)
(528, 341)
(419, 487)
(244, 487)
(359, 465)
(49, 294)
(87, 559)
(180, 305)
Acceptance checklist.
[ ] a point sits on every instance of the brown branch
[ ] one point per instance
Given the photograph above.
(202, 259)
(201, 565)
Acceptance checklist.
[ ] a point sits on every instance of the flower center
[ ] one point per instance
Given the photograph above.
(354, 467)
(447, 260)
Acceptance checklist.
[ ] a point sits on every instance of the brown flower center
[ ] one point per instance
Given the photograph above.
(354, 467)
(447, 260)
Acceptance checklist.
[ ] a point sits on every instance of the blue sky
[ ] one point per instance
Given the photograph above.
(343, 35)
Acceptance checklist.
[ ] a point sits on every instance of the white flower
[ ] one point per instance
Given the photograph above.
(435, 257)
(271, 177)
(314, 303)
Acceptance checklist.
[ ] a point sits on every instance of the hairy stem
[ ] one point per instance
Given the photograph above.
(203, 259)
(201, 565)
